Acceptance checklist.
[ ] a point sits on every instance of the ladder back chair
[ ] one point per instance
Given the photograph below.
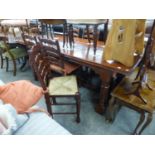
(30, 41)
(57, 62)
(58, 87)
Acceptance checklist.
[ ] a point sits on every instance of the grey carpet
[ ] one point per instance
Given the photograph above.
(91, 122)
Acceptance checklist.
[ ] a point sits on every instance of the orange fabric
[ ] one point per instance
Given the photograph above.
(21, 94)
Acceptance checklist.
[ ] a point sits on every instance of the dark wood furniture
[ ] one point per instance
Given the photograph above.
(53, 53)
(58, 87)
(94, 22)
(29, 41)
(83, 54)
(46, 25)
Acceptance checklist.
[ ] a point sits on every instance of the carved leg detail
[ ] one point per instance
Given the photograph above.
(141, 120)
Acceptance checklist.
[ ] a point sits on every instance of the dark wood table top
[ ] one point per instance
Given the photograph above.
(83, 53)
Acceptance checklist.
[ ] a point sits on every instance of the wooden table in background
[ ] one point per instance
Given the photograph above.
(87, 22)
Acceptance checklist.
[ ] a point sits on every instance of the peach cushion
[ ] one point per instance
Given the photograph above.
(21, 94)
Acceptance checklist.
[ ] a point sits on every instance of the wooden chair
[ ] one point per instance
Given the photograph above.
(58, 87)
(3, 37)
(57, 62)
(13, 54)
(30, 41)
(132, 93)
(1, 57)
(2, 49)
(120, 96)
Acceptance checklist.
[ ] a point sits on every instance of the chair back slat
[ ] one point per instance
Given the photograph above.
(29, 40)
(52, 51)
(40, 65)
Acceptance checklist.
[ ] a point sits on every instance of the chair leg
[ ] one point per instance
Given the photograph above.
(14, 65)
(34, 73)
(7, 64)
(48, 104)
(148, 121)
(1, 61)
(112, 110)
(141, 120)
(78, 108)
(24, 63)
(35, 76)
(54, 100)
(18, 60)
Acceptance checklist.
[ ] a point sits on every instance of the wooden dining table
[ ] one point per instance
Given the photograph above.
(83, 54)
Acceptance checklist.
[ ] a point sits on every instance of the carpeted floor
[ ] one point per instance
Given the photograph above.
(91, 122)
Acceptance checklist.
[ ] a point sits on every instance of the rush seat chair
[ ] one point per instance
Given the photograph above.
(58, 87)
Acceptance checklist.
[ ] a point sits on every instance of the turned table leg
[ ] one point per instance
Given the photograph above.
(106, 77)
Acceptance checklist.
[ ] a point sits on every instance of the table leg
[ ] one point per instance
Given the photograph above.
(106, 77)
(105, 31)
(47, 31)
(95, 36)
(65, 34)
(71, 38)
(88, 35)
